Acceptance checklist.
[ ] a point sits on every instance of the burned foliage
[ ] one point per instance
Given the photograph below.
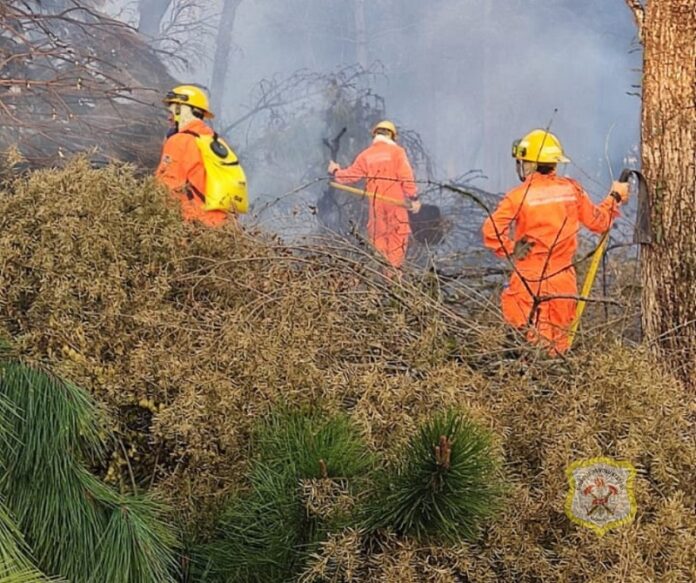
(206, 332)
(295, 125)
(73, 79)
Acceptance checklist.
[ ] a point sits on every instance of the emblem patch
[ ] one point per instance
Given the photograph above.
(601, 495)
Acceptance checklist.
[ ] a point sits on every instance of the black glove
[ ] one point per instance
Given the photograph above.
(522, 248)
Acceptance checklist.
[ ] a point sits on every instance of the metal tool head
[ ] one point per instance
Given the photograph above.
(642, 233)
(428, 225)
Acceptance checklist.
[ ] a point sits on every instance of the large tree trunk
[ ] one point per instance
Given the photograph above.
(222, 53)
(668, 32)
(151, 14)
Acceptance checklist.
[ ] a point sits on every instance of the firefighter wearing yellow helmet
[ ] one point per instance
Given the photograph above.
(199, 168)
(536, 225)
(190, 95)
(388, 126)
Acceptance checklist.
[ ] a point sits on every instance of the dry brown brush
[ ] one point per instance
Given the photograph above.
(189, 336)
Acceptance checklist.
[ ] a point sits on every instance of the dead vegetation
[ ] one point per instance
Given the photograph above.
(75, 80)
(189, 336)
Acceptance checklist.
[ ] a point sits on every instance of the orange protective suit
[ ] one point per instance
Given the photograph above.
(547, 210)
(181, 170)
(385, 168)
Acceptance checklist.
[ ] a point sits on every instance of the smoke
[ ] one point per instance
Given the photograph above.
(486, 73)
(469, 75)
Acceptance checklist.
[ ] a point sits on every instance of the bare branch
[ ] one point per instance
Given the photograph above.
(69, 80)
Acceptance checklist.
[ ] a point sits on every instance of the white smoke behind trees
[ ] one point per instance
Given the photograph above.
(469, 75)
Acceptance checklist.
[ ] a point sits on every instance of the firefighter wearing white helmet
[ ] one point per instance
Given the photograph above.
(387, 172)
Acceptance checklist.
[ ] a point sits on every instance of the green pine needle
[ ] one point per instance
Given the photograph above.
(55, 427)
(15, 564)
(24, 577)
(303, 439)
(56, 420)
(267, 534)
(435, 493)
(259, 533)
(76, 526)
(136, 545)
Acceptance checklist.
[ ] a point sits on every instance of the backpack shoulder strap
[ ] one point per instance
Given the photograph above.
(190, 133)
(191, 190)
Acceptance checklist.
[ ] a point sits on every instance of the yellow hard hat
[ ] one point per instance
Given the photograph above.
(190, 95)
(385, 125)
(539, 146)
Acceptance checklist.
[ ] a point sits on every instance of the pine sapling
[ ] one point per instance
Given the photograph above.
(444, 486)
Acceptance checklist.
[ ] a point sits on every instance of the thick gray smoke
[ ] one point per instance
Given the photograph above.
(469, 75)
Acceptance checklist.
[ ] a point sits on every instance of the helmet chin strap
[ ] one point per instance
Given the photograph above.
(182, 115)
(177, 115)
(185, 115)
(519, 166)
(525, 168)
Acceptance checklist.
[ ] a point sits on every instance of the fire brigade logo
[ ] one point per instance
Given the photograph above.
(601, 495)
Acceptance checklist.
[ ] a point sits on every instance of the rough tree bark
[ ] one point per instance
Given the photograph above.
(668, 31)
(223, 47)
(151, 14)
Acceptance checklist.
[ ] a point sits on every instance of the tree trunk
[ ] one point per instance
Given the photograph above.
(668, 32)
(151, 14)
(360, 34)
(223, 47)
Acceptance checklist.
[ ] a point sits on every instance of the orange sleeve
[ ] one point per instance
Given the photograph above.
(404, 173)
(496, 228)
(355, 172)
(596, 218)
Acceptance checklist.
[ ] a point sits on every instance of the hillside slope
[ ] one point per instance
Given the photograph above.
(187, 336)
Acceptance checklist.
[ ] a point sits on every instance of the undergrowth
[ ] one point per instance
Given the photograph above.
(188, 337)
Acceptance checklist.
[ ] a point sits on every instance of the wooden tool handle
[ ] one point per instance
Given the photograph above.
(366, 194)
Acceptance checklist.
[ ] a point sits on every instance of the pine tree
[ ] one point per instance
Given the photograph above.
(75, 525)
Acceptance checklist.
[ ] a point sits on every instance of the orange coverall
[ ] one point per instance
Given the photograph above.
(386, 170)
(548, 211)
(181, 170)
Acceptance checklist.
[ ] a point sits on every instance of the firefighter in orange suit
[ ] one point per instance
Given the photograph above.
(181, 167)
(536, 225)
(386, 170)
